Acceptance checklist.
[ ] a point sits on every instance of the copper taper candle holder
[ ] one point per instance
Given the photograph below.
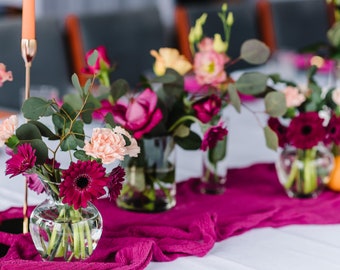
(28, 51)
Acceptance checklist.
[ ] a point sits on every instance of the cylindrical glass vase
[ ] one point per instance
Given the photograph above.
(215, 168)
(150, 178)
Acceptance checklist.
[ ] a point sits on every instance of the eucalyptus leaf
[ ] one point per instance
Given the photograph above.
(234, 97)
(81, 155)
(73, 100)
(252, 83)
(76, 84)
(35, 107)
(254, 52)
(92, 59)
(271, 138)
(41, 150)
(44, 130)
(275, 104)
(69, 143)
(27, 132)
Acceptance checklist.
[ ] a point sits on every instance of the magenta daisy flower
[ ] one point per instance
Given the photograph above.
(213, 135)
(306, 130)
(34, 183)
(115, 183)
(21, 161)
(83, 181)
(333, 130)
(279, 129)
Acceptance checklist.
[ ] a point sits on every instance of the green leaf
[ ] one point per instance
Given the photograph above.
(35, 107)
(252, 83)
(271, 138)
(44, 130)
(28, 132)
(219, 152)
(182, 131)
(191, 142)
(73, 100)
(234, 97)
(59, 122)
(68, 111)
(109, 120)
(41, 150)
(119, 88)
(81, 155)
(254, 52)
(76, 84)
(78, 130)
(275, 104)
(70, 143)
(92, 59)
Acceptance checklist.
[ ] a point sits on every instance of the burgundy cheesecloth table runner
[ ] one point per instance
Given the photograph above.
(130, 240)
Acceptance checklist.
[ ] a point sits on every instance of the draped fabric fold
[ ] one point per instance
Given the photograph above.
(254, 199)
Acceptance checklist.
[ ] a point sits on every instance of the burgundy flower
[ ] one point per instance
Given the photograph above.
(207, 108)
(140, 115)
(83, 181)
(115, 183)
(213, 135)
(279, 129)
(21, 161)
(34, 183)
(306, 130)
(333, 130)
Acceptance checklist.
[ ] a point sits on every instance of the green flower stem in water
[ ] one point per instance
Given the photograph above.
(303, 172)
(78, 231)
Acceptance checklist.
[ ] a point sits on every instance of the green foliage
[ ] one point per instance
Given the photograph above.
(275, 104)
(252, 83)
(219, 152)
(271, 138)
(254, 52)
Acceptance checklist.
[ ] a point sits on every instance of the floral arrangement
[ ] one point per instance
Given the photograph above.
(73, 180)
(183, 93)
(305, 117)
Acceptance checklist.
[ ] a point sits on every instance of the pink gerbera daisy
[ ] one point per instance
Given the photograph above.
(115, 184)
(83, 181)
(21, 161)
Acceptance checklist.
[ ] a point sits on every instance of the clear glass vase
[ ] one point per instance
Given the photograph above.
(304, 172)
(215, 168)
(150, 178)
(61, 233)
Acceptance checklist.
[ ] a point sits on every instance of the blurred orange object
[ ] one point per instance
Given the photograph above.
(334, 178)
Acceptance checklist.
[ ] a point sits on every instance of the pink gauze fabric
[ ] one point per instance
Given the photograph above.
(130, 240)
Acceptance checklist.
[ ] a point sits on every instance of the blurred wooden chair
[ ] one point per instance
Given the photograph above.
(49, 67)
(246, 25)
(294, 24)
(128, 37)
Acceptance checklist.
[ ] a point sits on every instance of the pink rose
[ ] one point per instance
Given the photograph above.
(7, 128)
(207, 107)
(140, 114)
(5, 75)
(107, 144)
(293, 96)
(102, 62)
(209, 68)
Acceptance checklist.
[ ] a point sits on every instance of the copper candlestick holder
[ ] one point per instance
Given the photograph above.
(28, 51)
